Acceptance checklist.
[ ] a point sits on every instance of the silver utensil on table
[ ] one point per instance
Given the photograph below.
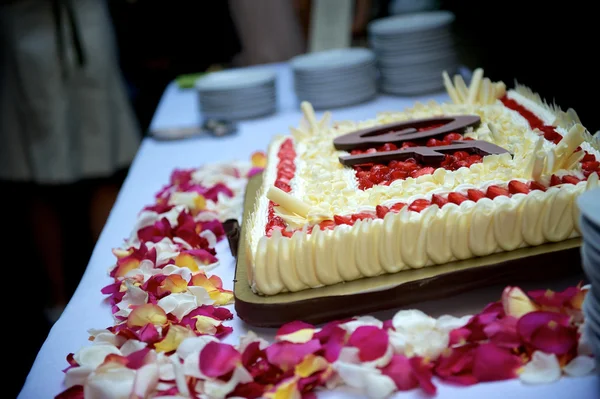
(210, 127)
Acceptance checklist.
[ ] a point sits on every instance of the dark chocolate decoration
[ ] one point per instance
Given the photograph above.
(399, 132)
(232, 231)
(426, 155)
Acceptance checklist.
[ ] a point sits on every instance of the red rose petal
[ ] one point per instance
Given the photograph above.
(422, 371)
(554, 338)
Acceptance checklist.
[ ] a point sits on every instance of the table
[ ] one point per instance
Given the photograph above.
(151, 170)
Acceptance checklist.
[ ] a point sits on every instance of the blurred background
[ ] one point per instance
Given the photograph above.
(133, 49)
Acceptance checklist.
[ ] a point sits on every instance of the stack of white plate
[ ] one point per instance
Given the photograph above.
(335, 78)
(589, 206)
(236, 94)
(413, 50)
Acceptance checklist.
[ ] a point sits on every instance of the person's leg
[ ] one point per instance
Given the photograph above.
(47, 233)
(103, 194)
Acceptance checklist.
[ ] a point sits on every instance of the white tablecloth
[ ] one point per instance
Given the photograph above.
(150, 171)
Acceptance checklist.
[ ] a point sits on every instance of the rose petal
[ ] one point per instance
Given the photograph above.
(286, 355)
(553, 299)
(492, 363)
(259, 159)
(457, 361)
(310, 365)
(400, 371)
(287, 389)
(74, 392)
(207, 325)
(217, 359)
(148, 334)
(516, 303)
(292, 327)
(368, 380)
(172, 284)
(542, 369)
(372, 342)
(146, 379)
(412, 321)
(554, 338)
(531, 322)
(93, 356)
(422, 371)
(334, 343)
(218, 389)
(173, 339)
(144, 314)
(503, 333)
(137, 359)
(580, 366)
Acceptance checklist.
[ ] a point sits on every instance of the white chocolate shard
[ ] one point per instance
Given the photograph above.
(450, 88)
(288, 202)
(474, 86)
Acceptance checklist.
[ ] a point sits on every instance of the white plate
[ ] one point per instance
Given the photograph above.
(232, 79)
(344, 101)
(589, 205)
(331, 59)
(328, 73)
(335, 94)
(416, 22)
(412, 90)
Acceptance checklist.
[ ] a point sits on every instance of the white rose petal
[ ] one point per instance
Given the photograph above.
(132, 346)
(146, 379)
(183, 198)
(178, 304)
(542, 369)
(134, 296)
(202, 296)
(93, 356)
(361, 321)
(217, 389)
(106, 337)
(369, 380)
(77, 376)
(210, 237)
(146, 269)
(184, 272)
(448, 323)
(249, 338)
(580, 366)
(413, 321)
(112, 383)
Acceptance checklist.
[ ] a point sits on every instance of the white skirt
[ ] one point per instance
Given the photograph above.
(61, 121)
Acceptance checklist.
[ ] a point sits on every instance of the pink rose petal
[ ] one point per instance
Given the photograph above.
(136, 359)
(293, 327)
(286, 355)
(372, 342)
(555, 338)
(399, 369)
(531, 322)
(503, 333)
(334, 343)
(492, 363)
(217, 359)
